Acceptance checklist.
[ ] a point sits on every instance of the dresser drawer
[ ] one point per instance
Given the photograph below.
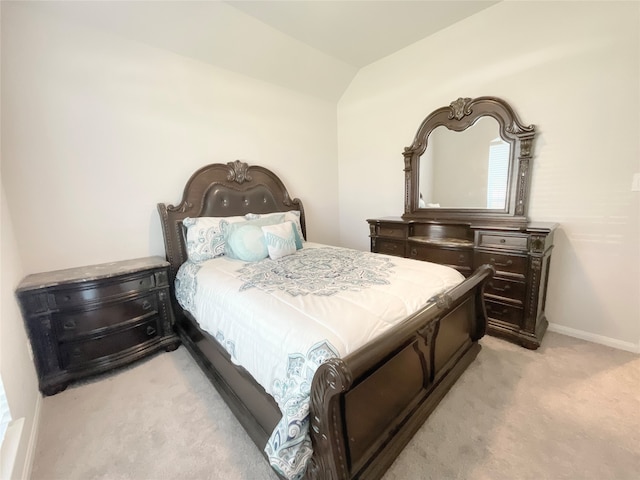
(391, 230)
(457, 258)
(504, 313)
(506, 241)
(503, 263)
(77, 354)
(70, 297)
(507, 289)
(389, 247)
(72, 324)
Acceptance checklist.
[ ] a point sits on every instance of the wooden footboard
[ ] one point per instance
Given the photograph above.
(366, 407)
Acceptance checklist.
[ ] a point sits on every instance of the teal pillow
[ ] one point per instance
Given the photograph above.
(249, 248)
(247, 243)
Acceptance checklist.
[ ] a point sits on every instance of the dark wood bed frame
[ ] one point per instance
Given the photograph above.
(366, 406)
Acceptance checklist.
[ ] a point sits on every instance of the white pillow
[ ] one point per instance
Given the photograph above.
(280, 239)
(291, 215)
(206, 236)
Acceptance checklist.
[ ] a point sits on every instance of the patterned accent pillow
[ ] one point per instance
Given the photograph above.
(205, 236)
(245, 243)
(280, 239)
(291, 215)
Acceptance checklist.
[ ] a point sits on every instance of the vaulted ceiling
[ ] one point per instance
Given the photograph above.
(315, 47)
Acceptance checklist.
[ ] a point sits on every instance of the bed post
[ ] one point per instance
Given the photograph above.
(329, 452)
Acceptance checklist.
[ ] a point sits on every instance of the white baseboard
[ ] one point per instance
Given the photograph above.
(592, 337)
(9, 450)
(33, 441)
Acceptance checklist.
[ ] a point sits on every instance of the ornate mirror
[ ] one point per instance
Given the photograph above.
(469, 161)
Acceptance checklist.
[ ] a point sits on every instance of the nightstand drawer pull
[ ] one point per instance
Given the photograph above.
(69, 325)
(151, 330)
(146, 305)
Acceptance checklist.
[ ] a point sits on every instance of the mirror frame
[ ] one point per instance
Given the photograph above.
(458, 116)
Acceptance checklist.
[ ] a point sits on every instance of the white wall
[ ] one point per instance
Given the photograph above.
(16, 368)
(18, 372)
(571, 68)
(98, 129)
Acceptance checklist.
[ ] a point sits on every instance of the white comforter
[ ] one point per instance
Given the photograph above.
(280, 319)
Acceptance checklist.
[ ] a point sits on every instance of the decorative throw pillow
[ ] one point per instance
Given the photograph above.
(205, 236)
(291, 215)
(247, 244)
(280, 239)
(243, 244)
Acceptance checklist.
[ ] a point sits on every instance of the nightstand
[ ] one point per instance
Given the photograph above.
(88, 320)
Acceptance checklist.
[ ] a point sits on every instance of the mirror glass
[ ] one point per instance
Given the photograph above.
(465, 170)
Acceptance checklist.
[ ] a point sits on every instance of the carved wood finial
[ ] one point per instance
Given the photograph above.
(238, 172)
(460, 108)
(519, 129)
(182, 208)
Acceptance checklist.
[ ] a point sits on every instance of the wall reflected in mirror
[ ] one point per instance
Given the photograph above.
(465, 170)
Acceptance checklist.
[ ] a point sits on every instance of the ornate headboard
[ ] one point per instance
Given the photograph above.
(223, 190)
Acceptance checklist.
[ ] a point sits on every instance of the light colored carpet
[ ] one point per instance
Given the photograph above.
(570, 410)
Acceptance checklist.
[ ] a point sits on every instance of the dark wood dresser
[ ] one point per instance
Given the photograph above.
(515, 297)
(466, 193)
(88, 320)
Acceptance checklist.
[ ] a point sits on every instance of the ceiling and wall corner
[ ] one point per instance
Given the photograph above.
(312, 46)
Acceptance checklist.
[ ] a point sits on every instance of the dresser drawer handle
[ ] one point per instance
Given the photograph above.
(69, 325)
(498, 289)
(491, 309)
(151, 330)
(508, 263)
(414, 252)
(503, 240)
(76, 352)
(146, 305)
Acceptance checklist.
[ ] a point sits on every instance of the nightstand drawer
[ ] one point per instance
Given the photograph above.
(507, 289)
(494, 240)
(509, 264)
(72, 324)
(72, 297)
(389, 247)
(77, 354)
(504, 313)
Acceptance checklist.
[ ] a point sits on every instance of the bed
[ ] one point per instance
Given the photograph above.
(366, 401)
